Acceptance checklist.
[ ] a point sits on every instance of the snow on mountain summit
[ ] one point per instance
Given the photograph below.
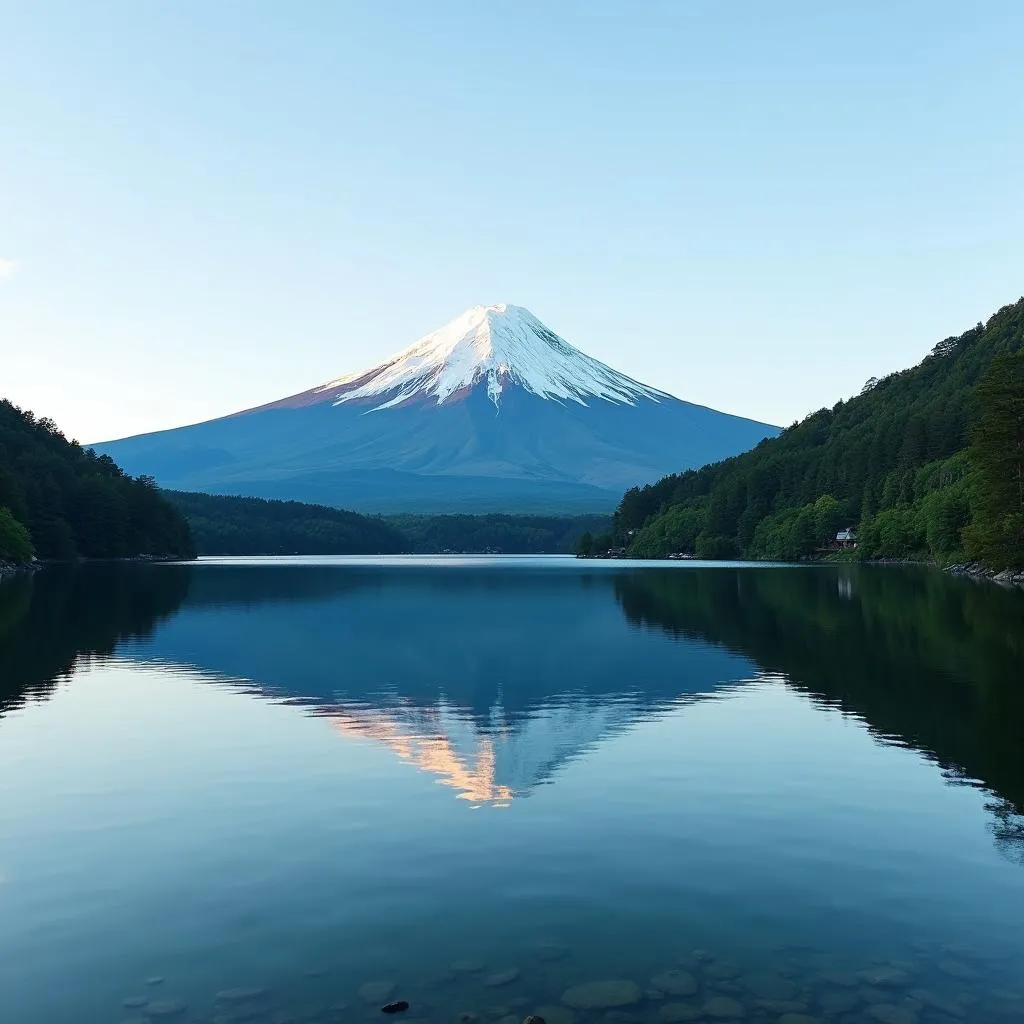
(502, 345)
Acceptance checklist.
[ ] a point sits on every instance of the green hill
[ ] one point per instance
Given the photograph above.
(896, 463)
(228, 525)
(60, 501)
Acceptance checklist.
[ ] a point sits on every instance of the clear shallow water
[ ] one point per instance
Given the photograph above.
(800, 787)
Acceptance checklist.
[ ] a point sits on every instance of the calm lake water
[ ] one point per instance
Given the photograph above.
(292, 790)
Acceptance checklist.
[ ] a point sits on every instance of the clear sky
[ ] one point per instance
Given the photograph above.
(756, 206)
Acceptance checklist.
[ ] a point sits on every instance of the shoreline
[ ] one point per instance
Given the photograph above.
(976, 571)
(9, 570)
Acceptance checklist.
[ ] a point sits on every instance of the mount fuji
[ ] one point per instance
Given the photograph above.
(492, 412)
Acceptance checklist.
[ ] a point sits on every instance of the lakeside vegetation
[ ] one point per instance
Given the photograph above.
(927, 464)
(59, 500)
(225, 525)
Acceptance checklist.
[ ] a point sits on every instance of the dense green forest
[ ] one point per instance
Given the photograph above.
(504, 534)
(927, 463)
(61, 501)
(223, 525)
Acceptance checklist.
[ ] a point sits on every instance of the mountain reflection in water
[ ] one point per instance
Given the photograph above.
(492, 679)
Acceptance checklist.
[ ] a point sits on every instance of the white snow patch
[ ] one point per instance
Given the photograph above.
(498, 344)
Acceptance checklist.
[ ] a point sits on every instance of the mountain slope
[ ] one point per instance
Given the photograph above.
(893, 459)
(493, 412)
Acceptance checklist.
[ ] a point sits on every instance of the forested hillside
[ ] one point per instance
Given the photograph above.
(59, 500)
(928, 462)
(227, 525)
(505, 534)
(253, 526)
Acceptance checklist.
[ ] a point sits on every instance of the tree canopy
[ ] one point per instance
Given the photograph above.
(72, 502)
(892, 463)
(225, 525)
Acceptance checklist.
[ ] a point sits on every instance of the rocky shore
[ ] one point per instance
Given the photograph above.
(931, 984)
(1006, 577)
(10, 569)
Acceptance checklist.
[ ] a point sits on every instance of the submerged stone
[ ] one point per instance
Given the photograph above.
(722, 970)
(376, 991)
(885, 977)
(889, 1013)
(467, 966)
(602, 995)
(766, 985)
(550, 951)
(673, 1013)
(838, 1001)
(165, 1008)
(938, 1002)
(956, 969)
(134, 1002)
(502, 977)
(798, 1018)
(622, 1017)
(240, 995)
(780, 1006)
(724, 1008)
(844, 979)
(675, 982)
(554, 1015)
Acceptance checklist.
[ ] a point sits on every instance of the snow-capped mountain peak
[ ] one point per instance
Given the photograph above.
(499, 345)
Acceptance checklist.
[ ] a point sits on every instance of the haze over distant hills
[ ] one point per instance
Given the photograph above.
(492, 412)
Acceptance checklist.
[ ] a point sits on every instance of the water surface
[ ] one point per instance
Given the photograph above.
(800, 787)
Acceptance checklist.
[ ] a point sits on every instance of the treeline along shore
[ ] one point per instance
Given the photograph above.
(923, 465)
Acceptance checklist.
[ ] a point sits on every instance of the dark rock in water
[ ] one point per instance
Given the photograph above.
(534, 1019)
(156, 980)
(134, 1002)
(397, 1007)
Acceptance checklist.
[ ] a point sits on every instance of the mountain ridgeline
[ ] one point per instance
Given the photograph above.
(61, 501)
(491, 413)
(926, 463)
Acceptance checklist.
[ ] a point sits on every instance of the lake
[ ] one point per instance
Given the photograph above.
(297, 789)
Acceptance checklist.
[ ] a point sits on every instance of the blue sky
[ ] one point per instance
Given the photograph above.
(204, 206)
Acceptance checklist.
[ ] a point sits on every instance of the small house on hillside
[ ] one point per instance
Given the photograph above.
(846, 538)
